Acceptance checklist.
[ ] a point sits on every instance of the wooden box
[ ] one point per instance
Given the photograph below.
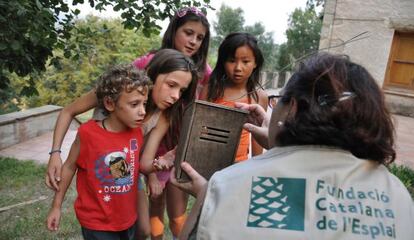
(210, 135)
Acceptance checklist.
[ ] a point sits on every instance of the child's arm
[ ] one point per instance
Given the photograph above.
(204, 93)
(68, 171)
(147, 158)
(263, 101)
(80, 105)
(152, 143)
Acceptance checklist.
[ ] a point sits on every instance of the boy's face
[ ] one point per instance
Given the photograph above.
(129, 110)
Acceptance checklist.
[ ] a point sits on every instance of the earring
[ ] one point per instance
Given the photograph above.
(279, 123)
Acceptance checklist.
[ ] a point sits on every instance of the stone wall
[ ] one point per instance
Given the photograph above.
(344, 19)
(21, 126)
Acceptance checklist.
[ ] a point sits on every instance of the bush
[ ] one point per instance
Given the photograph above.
(406, 175)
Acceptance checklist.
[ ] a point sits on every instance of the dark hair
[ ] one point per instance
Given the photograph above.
(117, 79)
(226, 51)
(200, 58)
(166, 61)
(338, 104)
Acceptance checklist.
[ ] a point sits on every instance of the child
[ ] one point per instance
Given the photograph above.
(105, 156)
(236, 79)
(187, 32)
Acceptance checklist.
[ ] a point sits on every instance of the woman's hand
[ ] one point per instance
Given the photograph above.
(198, 184)
(257, 122)
(53, 174)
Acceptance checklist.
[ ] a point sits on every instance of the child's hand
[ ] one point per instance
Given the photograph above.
(154, 185)
(165, 162)
(53, 219)
(53, 171)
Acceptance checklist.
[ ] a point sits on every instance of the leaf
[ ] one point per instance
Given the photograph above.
(38, 4)
(15, 45)
(3, 46)
(29, 91)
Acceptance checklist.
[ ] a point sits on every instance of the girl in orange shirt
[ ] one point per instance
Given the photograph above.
(236, 79)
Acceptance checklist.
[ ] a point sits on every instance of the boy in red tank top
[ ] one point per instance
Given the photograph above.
(105, 156)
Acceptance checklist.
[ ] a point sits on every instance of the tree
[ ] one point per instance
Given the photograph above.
(32, 29)
(315, 3)
(303, 34)
(231, 20)
(228, 20)
(108, 44)
(266, 44)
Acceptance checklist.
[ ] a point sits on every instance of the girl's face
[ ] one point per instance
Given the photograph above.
(189, 37)
(241, 66)
(169, 87)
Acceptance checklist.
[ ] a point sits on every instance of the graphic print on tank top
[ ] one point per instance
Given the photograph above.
(115, 170)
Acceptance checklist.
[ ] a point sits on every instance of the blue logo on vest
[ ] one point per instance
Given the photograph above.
(277, 203)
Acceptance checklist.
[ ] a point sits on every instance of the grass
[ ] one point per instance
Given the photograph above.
(22, 181)
(406, 175)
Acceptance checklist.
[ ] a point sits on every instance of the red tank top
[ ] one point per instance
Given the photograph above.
(107, 176)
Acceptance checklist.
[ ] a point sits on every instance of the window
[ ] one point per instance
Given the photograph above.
(400, 70)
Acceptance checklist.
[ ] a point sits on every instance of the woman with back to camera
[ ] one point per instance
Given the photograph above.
(324, 177)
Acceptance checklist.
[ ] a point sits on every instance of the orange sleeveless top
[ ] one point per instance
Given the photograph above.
(243, 150)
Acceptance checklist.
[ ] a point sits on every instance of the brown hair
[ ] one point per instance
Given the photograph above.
(166, 61)
(119, 78)
(338, 104)
(200, 58)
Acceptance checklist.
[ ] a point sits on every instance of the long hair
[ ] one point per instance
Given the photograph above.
(227, 50)
(167, 61)
(338, 104)
(191, 14)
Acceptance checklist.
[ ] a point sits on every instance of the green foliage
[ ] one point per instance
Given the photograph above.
(231, 20)
(315, 3)
(104, 43)
(303, 34)
(406, 175)
(33, 29)
(228, 20)
(266, 44)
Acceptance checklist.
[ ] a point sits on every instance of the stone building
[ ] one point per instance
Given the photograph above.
(388, 49)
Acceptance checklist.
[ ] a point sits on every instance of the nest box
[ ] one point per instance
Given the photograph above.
(209, 137)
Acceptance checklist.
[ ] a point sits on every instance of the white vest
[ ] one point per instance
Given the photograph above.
(306, 192)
